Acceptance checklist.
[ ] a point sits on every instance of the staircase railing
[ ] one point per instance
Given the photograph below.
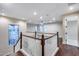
(42, 40)
(20, 39)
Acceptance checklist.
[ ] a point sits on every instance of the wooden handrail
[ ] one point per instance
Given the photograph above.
(42, 41)
(38, 38)
(31, 37)
(21, 40)
(40, 32)
(45, 35)
(15, 45)
(58, 39)
(17, 42)
(50, 36)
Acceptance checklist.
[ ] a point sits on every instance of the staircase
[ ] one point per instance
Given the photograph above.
(44, 52)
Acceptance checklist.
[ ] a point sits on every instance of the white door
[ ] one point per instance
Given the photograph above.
(72, 33)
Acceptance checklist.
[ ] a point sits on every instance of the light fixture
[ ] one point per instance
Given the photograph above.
(53, 19)
(71, 8)
(35, 13)
(3, 14)
(41, 17)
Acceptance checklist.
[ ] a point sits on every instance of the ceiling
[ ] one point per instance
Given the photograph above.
(24, 11)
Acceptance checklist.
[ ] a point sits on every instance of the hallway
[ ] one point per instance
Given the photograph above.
(38, 29)
(68, 50)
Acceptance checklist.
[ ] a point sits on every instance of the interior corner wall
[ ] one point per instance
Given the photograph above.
(4, 22)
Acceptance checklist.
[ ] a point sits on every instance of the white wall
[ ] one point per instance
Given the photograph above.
(4, 22)
(54, 28)
(31, 27)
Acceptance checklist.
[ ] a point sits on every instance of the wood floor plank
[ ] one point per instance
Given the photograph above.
(68, 50)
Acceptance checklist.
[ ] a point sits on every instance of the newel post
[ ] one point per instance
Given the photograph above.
(42, 44)
(58, 39)
(21, 40)
(14, 49)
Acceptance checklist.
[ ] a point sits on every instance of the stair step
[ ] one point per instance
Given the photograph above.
(19, 53)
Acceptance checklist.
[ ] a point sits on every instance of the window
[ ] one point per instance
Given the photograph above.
(13, 34)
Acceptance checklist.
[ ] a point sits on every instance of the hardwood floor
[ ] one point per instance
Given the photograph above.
(68, 50)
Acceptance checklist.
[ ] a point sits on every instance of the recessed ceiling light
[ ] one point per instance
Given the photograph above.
(53, 19)
(71, 8)
(41, 17)
(35, 13)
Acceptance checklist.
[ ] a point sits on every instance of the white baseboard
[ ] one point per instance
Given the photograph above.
(56, 50)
